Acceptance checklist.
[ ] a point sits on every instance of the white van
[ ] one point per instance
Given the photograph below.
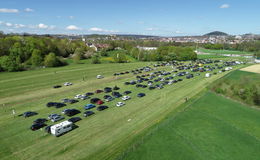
(60, 128)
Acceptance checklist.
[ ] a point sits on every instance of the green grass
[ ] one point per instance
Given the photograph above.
(223, 51)
(212, 127)
(104, 135)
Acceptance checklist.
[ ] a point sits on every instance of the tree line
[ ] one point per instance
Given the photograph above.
(24, 52)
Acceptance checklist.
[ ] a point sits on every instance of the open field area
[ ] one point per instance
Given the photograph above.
(211, 127)
(102, 136)
(254, 68)
(223, 51)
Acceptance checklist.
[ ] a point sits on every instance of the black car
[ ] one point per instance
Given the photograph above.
(40, 120)
(29, 114)
(140, 95)
(127, 83)
(48, 129)
(89, 94)
(139, 85)
(151, 88)
(106, 96)
(74, 119)
(116, 88)
(71, 101)
(71, 112)
(55, 104)
(57, 86)
(127, 92)
(88, 113)
(107, 89)
(94, 100)
(101, 108)
(37, 126)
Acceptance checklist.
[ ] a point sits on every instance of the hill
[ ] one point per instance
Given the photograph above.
(216, 33)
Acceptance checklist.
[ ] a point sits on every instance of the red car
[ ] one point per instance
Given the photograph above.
(99, 91)
(99, 102)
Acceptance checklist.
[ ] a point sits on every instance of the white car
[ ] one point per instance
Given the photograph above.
(119, 104)
(99, 77)
(124, 98)
(67, 84)
(79, 96)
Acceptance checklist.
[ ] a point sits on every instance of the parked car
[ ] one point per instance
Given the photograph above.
(37, 126)
(116, 88)
(67, 84)
(107, 89)
(57, 86)
(127, 92)
(57, 118)
(74, 119)
(120, 104)
(40, 120)
(71, 112)
(88, 113)
(94, 100)
(99, 91)
(99, 102)
(108, 99)
(89, 93)
(52, 115)
(140, 95)
(101, 108)
(55, 104)
(99, 77)
(124, 98)
(89, 106)
(29, 114)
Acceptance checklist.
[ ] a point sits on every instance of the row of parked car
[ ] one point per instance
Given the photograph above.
(156, 79)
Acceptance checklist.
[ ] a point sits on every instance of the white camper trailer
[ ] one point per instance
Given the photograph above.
(207, 75)
(60, 128)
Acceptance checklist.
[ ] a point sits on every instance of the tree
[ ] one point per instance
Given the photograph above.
(36, 58)
(257, 55)
(51, 60)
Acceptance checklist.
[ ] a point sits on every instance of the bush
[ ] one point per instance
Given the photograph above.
(95, 59)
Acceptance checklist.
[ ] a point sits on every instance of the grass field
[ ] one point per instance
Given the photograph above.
(102, 136)
(223, 51)
(212, 127)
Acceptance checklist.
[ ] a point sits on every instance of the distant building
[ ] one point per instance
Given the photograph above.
(147, 48)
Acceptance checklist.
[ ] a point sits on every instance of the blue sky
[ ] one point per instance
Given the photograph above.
(151, 17)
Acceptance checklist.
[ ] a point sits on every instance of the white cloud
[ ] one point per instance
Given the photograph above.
(19, 26)
(151, 29)
(28, 10)
(96, 29)
(7, 10)
(71, 17)
(178, 32)
(72, 27)
(42, 26)
(9, 24)
(223, 6)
